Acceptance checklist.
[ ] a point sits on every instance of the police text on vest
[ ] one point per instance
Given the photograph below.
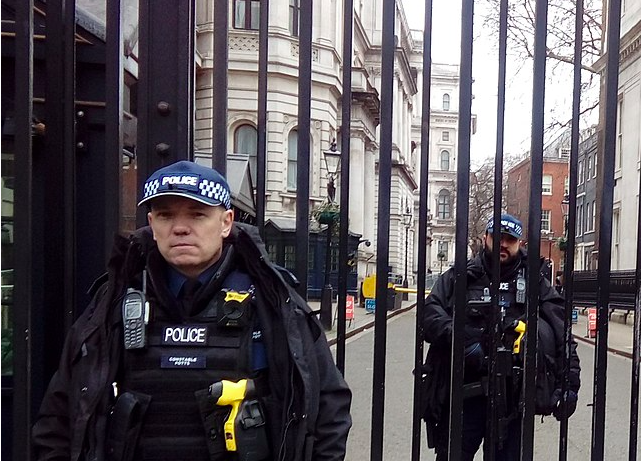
(186, 335)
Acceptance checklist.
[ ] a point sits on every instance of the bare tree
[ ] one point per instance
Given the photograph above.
(559, 47)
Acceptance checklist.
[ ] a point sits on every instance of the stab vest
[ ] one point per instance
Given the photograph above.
(178, 360)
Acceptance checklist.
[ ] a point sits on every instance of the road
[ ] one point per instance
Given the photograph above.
(399, 389)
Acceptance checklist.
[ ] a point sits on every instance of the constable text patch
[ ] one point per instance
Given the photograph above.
(182, 361)
(184, 335)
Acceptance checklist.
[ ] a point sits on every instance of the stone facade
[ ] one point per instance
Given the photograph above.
(282, 112)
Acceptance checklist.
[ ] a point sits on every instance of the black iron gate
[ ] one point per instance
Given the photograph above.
(93, 111)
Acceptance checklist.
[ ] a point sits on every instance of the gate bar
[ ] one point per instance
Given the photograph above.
(492, 422)
(605, 230)
(219, 101)
(382, 235)
(261, 153)
(534, 228)
(346, 128)
(462, 221)
(114, 83)
(23, 282)
(636, 348)
(304, 124)
(570, 224)
(422, 231)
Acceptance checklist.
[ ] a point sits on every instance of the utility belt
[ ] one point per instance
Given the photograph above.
(232, 414)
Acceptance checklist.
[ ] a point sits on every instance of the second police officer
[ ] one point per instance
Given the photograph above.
(437, 324)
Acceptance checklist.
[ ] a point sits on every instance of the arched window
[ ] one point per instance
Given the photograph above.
(445, 160)
(246, 142)
(446, 101)
(292, 156)
(443, 204)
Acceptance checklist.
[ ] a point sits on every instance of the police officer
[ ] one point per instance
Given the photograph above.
(437, 324)
(193, 311)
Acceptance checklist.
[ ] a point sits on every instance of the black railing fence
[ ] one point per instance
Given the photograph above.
(71, 192)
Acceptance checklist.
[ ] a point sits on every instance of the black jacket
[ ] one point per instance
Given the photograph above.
(314, 398)
(437, 325)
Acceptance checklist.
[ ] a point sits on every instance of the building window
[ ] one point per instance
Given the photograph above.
(580, 173)
(566, 186)
(596, 157)
(619, 146)
(443, 204)
(445, 160)
(334, 260)
(545, 221)
(292, 159)
(579, 220)
(294, 15)
(310, 259)
(246, 142)
(272, 252)
(290, 257)
(446, 102)
(546, 186)
(588, 170)
(564, 152)
(593, 215)
(246, 14)
(446, 136)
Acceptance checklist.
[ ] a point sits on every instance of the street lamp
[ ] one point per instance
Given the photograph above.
(441, 258)
(332, 161)
(407, 222)
(565, 209)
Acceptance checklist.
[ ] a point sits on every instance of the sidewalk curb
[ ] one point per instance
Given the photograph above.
(394, 313)
(370, 324)
(610, 349)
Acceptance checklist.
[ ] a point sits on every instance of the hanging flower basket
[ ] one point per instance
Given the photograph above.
(326, 213)
(562, 243)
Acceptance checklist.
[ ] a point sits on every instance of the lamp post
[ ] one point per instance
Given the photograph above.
(441, 258)
(565, 209)
(407, 222)
(332, 161)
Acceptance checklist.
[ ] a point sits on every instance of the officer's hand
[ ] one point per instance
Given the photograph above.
(557, 406)
(474, 358)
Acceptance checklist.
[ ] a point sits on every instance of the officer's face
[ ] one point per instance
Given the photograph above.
(509, 248)
(189, 234)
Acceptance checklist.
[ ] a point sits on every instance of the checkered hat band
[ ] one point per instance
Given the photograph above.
(151, 188)
(215, 191)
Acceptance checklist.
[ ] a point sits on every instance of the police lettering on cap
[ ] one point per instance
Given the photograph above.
(189, 180)
(509, 225)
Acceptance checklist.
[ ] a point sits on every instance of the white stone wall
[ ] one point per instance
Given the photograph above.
(282, 114)
(628, 153)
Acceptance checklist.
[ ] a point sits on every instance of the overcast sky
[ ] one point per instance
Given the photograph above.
(446, 38)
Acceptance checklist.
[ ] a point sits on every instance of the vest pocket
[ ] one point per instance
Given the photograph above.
(123, 428)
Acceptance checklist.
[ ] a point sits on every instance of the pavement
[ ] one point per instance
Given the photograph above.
(363, 320)
(620, 328)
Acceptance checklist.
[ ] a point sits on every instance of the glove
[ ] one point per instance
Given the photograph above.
(474, 358)
(557, 404)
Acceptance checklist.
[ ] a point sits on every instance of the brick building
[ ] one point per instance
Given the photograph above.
(554, 190)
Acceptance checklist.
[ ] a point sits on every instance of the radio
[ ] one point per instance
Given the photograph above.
(133, 318)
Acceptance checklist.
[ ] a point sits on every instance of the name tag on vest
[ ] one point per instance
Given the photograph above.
(184, 335)
(183, 361)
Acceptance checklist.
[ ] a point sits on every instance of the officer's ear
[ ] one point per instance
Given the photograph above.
(228, 220)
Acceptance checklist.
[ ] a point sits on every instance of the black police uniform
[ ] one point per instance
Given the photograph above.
(280, 344)
(437, 323)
